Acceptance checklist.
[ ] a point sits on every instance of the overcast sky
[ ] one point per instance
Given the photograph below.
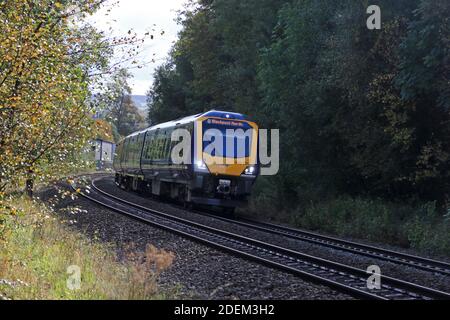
(141, 16)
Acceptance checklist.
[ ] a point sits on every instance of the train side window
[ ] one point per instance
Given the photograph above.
(163, 145)
(126, 155)
(135, 151)
(130, 152)
(160, 145)
(133, 160)
(138, 149)
(137, 154)
(172, 145)
(124, 150)
(168, 145)
(154, 146)
(149, 145)
(146, 145)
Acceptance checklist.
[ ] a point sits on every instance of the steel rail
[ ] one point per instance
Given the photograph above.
(336, 275)
(414, 261)
(409, 260)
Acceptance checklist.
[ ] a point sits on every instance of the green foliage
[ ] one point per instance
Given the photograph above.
(420, 227)
(360, 112)
(425, 53)
(167, 97)
(427, 231)
(355, 217)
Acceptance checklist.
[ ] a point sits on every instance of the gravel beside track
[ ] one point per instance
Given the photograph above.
(409, 274)
(198, 272)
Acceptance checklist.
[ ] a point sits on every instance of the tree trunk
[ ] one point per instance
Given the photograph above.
(29, 184)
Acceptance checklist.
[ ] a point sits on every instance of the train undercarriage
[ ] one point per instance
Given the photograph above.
(217, 191)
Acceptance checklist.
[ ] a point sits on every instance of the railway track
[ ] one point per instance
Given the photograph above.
(341, 277)
(418, 262)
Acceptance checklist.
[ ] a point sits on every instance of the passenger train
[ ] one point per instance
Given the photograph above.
(221, 177)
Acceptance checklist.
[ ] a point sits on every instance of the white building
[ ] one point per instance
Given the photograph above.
(104, 153)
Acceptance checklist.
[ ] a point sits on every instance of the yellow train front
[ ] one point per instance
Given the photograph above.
(222, 164)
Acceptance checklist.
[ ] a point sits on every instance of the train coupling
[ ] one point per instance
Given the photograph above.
(224, 186)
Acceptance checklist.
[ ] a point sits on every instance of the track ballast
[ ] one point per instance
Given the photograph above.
(341, 277)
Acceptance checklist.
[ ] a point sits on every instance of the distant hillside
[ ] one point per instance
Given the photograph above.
(140, 102)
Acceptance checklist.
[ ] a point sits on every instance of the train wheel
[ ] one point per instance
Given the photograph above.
(135, 185)
(126, 184)
(122, 182)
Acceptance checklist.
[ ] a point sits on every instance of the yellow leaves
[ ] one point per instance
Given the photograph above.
(103, 130)
(44, 92)
(8, 57)
(15, 98)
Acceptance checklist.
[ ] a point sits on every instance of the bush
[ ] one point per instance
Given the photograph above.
(428, 231)
(419, 227)
(265, 200)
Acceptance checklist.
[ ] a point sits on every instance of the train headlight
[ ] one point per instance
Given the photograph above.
(250, 170)
(201, 165)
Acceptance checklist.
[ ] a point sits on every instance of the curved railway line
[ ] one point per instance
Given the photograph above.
(339, 276)
(422, 263)
(409, 260)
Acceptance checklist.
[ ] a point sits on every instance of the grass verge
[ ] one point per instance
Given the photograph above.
(40, 258)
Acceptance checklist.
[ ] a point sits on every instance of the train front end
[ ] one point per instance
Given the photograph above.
(225, 159)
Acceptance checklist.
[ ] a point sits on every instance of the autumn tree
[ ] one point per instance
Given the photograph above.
(116, 105)
(51, 60)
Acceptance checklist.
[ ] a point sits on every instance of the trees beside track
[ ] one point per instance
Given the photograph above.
(44, 81)
(362, 112)
(51, 60)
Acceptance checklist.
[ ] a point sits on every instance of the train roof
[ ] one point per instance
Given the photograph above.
(189, 119)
